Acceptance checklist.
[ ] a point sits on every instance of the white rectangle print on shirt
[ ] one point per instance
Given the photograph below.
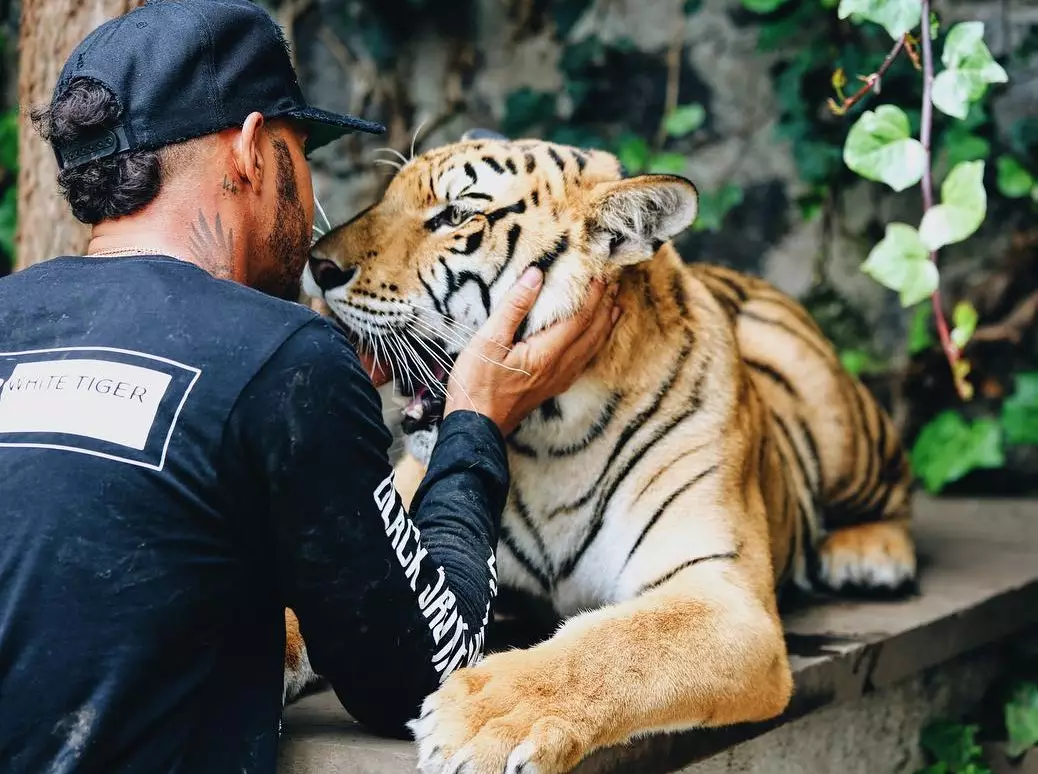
(101, 399)
(107, 398)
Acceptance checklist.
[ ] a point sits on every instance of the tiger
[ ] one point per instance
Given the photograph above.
(714, 454)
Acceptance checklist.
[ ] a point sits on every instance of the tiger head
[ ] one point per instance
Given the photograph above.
(412, 277)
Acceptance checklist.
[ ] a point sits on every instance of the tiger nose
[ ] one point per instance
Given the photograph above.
(328, 275)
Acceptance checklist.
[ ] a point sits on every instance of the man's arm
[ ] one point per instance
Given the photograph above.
(388, 605)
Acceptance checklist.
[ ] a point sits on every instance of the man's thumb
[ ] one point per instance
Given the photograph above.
(516, 305)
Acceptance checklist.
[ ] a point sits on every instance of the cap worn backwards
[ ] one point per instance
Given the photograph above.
(185, 68)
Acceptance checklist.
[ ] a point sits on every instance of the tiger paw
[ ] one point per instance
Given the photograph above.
(505, 716)
(870, 560)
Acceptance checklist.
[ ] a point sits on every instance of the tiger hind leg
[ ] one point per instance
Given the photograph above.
(871, 560)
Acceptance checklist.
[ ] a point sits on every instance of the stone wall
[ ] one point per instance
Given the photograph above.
(449, 74)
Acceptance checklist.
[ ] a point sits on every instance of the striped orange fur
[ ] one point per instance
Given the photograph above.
(714, 453)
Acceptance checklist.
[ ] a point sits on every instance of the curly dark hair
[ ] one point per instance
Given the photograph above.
(110, 187)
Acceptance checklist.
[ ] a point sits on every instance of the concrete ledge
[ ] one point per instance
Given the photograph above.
(978, 586)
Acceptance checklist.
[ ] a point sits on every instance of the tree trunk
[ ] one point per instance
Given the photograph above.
(46, 227)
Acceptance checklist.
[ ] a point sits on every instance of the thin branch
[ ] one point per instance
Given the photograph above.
(872, 82)
(677, 45)
(951, 352)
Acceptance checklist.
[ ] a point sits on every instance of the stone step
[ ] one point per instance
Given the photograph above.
(978, 586)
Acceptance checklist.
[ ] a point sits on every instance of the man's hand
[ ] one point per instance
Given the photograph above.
(505, 382)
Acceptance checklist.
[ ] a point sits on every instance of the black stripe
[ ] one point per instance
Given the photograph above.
(525, 561)
(524, 517)
(684, 566)
(428, 289)
(477, 195)
(665, 468)
(788, 329)
(632, 427)
(546, 261)
(471, 173)
(521, 448)
(511, 166)
(518, 208)
(677, 291)
(580, 158)
(550, 410)
(557, 159)
(514, 232)
(848, 501)
(735, 287)
(772, 374)
(535, 197)
(598, 517)
(531, 163)
(801, 465)
(812, 449)
(467, 277)
(596, 430)
(472, 243)
(491, 162)
(660, 511)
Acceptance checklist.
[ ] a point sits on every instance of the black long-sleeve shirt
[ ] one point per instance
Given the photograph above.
(181, 458)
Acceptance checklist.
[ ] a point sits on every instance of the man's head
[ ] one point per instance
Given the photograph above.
(186, 117)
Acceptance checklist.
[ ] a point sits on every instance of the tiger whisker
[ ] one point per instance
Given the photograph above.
(458, 341)
(394, 164)
(417, 131)
(395, 152)
(324, 216)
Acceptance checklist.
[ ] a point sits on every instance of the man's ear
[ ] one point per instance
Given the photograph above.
(631, 219)
(248, 159)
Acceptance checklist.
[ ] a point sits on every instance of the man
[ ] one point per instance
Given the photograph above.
(184, 451)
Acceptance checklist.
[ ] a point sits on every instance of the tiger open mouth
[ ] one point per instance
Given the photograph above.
(418, 374)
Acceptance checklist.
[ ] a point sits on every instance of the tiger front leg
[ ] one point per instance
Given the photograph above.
(700, 650)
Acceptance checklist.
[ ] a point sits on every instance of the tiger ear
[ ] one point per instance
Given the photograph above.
(482, 134)
(631, 219)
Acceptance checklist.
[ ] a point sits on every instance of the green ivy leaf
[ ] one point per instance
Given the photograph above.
(1020, 410)
(879, 147)
(948, 448)
(895, 16)
(920, 337)
(859, 361)
(1021, 715)
(715, 205)
(970, 69)
(634, 153)
(667, 164)
(685, 119)
(962, 209)
(901, 262)
(964, 318)
(1014, 181)
(763, 6)
(961, 145)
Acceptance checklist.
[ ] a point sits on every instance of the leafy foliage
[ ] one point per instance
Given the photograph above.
(895, 16)
(880, 147)
(953, 749)
(969, 69)
(901, 262)
(1020, 410)
(1021, 718)
(962, 208)
(949, 447)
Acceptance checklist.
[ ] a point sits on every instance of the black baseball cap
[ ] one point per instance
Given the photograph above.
(186, 68)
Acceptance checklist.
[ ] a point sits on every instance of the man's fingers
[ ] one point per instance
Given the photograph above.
(593, 338)
(501, 326)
